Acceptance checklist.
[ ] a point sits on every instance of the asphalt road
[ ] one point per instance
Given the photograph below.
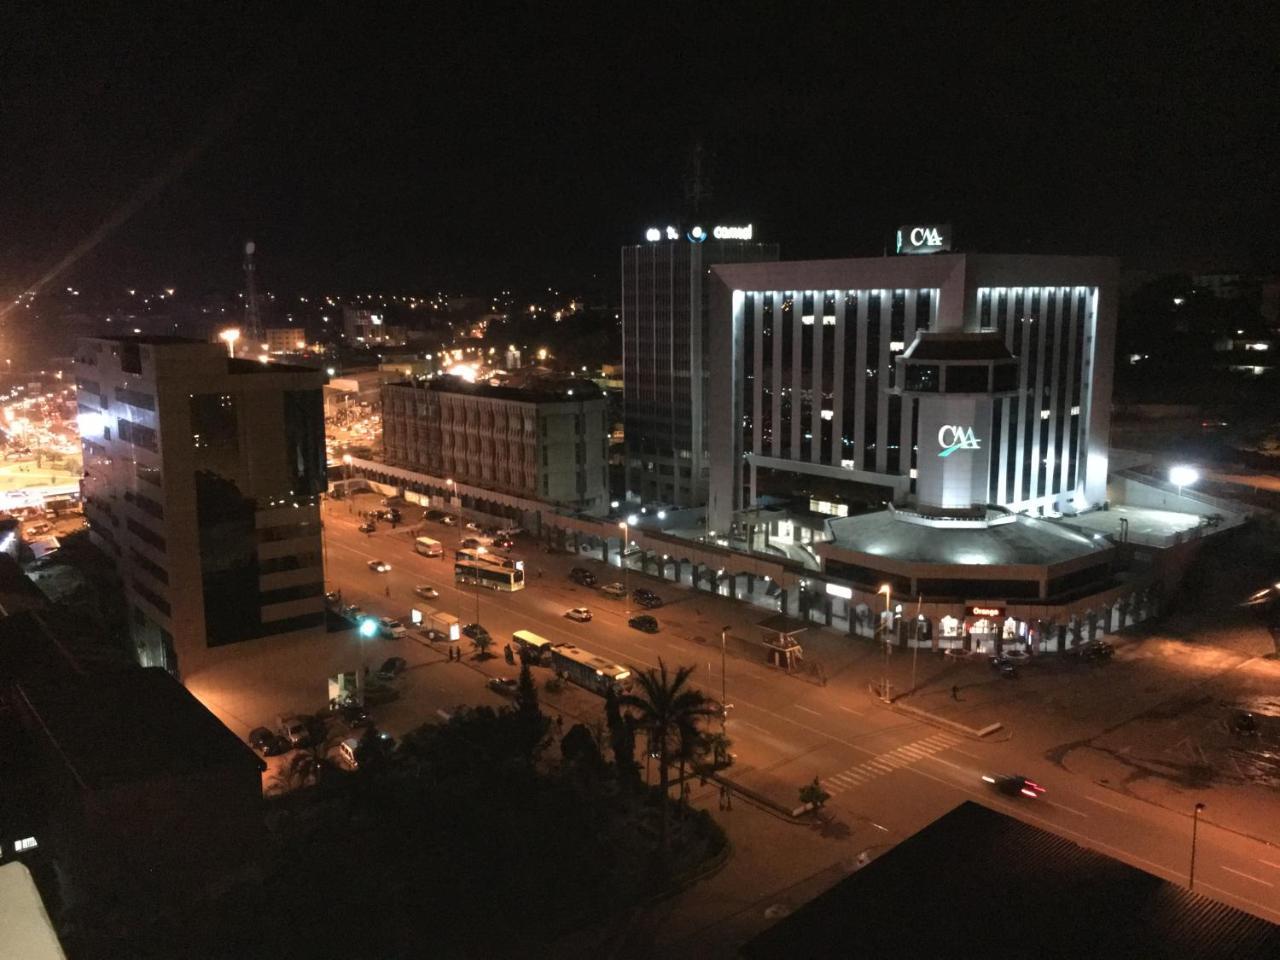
(891, 772)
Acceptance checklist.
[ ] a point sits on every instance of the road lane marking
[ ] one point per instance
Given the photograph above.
(966, 753)
(1103, 803)
(1063, 806)
(856, 713)
(1269, 863)
(806, 710)
(751, 726)
(1248, 876)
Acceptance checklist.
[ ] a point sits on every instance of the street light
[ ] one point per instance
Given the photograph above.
(625, 527)
(230, 337)
(887, 590)
(1195, 823)
(346, 459)
(1183, 476)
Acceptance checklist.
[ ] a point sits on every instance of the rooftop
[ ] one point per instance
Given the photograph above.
(1018, 541)
(152, 339)
(949, 345)
(563, 391)
(131, 725)
(1002, 888)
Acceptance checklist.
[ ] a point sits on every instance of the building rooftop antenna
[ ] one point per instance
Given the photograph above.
(697, 181)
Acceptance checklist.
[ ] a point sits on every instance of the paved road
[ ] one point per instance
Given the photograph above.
(885, 770)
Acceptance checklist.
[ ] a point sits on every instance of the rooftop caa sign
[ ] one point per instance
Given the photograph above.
(924, 238)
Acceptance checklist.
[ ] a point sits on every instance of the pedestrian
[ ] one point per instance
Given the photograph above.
(559, 723)
(388, 589)
(955, 692)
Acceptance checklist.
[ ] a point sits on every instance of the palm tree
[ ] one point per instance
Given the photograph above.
(669, 710)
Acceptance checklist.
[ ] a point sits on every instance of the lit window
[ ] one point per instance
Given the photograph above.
(1044, 414)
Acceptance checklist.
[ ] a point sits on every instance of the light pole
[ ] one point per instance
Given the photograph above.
(915, 642)
(1182, 476)
(887, 590)
(229, 337)
(625, 527)
(346, 459)
(1195, 823)
(479, 550)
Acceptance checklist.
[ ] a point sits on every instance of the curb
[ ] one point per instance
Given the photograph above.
(971, 732)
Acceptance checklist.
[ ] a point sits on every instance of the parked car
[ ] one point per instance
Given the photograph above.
(580, 614)
(353, 716)
(1245, 724)
(644, 623)
(470, 543)
(449, 520)
(379, 566)
(435, 516)
(614, 591)
(582, 576)
(333, 599)
(392, 667)
(1096, 652)
(503, 543)
(267, 743)
(368, 526)
(502, 685)
(474, 631)
(391, 627)
(351, 750)
(295, 730)
(646, 598)
(351, 611)
(426, 591)
(39, 529)
(1004, 666)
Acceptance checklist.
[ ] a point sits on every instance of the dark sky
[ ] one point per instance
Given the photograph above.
(463, 150)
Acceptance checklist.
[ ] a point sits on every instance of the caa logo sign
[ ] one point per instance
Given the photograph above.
(926, 237)
(951, 439)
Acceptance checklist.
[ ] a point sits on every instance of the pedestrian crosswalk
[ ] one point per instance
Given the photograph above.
(884, 763)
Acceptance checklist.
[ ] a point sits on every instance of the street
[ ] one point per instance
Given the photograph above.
(889, 774)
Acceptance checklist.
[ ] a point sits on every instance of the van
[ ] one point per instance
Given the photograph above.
(347, 752)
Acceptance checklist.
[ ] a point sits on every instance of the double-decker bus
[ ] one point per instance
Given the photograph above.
(428, 547)
(587, 670)
(482, 572)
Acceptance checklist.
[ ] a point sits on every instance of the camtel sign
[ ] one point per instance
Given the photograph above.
(924, 238)
(699, 234)
(951, 439)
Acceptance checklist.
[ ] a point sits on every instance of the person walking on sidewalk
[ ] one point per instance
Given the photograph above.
(955, 692)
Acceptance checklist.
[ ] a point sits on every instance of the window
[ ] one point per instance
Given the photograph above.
(967, 379)
(145, 534)
(138, 435)
(135, 398)
(214, 424)
(923, 377)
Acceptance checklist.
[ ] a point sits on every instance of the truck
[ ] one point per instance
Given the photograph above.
(436, 624)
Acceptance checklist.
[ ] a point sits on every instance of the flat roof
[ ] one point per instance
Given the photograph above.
(130, 725)
(152, 339)
(954, 345)
(564, 391)
(1023, 541)
(996, 887)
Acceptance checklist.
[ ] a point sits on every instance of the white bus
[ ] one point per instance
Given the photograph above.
(480, 572)
(482, 555)
(588, 670)
(536, 648)
(428, 547)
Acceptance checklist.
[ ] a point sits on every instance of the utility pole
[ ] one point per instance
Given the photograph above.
(915, 641)
(252, 321)
(1195, 823)
(887, 590)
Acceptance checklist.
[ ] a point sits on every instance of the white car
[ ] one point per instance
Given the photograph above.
(379, 566)
(474, 527)
(391, 627)
(426, 591)
(580, 614)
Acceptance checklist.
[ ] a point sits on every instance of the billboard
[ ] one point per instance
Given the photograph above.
(924, 238)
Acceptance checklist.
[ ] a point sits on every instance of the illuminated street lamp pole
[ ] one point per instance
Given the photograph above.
(1195, 823)
(346, 459)
(887, 590)
(625, 527)
(1181, 476)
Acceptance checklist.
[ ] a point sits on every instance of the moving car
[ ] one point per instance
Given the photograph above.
(267, 743)
(580, 614)
(471, 543)
(582, 576)
(503, 543)
(391, 627)
(449, 520)
(502, 685)
(646, 598)
(368, 527)
(644, 623)
(295, 730)
(474, 527)
(379, 566)
(392, 667)
(1015, 786)
(614, 591)
(426, 591)
(1004, 666)
(1245, 724)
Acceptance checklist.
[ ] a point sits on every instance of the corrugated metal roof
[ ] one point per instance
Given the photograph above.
(979, 884)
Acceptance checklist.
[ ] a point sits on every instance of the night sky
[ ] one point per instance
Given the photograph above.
(463, 151)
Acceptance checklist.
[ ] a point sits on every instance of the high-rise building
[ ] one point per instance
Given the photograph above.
(546, 443)
(666, 356)
(825, 374)
(202, 477)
